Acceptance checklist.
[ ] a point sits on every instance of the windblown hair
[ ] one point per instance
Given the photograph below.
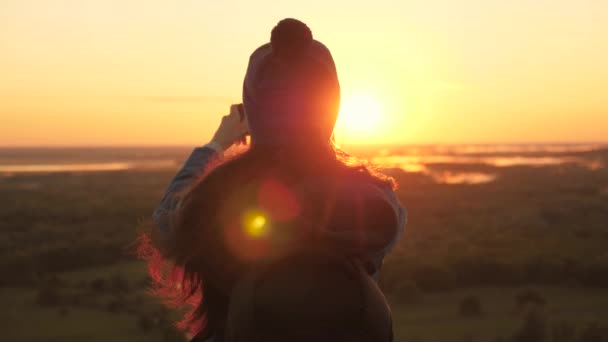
(184, 266)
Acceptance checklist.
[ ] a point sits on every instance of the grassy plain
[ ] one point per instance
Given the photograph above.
(66, 274)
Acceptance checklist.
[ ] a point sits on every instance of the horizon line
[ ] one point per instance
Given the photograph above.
(185, 145)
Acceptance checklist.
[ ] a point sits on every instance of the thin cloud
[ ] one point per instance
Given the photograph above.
(184, 99)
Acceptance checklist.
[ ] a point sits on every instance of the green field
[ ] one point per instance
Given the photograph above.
(432, 317)
(25, 319)
(469, 252)
(437, 316)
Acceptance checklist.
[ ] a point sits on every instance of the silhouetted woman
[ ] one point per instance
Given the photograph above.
(290, 190)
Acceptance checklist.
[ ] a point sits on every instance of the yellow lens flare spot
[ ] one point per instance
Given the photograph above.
(255, 224)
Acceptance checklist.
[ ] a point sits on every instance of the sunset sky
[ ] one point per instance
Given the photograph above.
(118, 72)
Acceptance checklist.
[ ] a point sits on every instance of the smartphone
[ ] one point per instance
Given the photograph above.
(241, 109)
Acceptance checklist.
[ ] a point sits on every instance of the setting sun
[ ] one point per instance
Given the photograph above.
(358, 119)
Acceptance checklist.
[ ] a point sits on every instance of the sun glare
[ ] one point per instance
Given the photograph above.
(358, 118)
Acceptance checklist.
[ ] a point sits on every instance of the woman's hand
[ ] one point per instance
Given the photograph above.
(233, 129)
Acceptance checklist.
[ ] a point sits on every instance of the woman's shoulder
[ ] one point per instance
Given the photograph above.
(360, 214)
(351, 186)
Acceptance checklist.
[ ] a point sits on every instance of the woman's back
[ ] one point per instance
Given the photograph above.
(254, 215)
(310, 294)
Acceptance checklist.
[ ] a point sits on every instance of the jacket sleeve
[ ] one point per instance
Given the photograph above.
(367, 221)
(199, 160)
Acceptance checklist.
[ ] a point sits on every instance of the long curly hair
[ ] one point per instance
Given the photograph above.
(195, 267)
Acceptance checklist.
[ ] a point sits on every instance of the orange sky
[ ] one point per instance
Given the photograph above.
(115, 72)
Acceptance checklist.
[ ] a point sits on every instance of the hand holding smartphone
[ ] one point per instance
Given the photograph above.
(233, 128)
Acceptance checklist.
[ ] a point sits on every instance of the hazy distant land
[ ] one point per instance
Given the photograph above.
(502, 242)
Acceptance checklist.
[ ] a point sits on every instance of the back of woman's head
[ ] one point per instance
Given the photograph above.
(291, 91)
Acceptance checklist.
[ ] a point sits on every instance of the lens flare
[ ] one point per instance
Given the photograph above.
(255, 224)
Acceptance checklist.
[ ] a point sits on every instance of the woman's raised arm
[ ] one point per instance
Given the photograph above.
(232, 130)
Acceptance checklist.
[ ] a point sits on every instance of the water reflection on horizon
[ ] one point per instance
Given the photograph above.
(412, 163)
(445, 164)
(423, 164)
(85, 167)
(487, 149)
(451, 177)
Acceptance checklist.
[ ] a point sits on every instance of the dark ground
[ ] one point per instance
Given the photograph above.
(520, 258)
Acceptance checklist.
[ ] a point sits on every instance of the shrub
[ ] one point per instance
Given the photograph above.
(117, 304)
(172, 334)
(407, 292)
(76, 300)
(119, 284)
(64, 311)
(533, 328)
(470, 306)
(595, 274)
(528, 298)
(98, 284)
(484, 271)
(434, 278)
(138, 301)
(145, 322)
(594, 332)
(48, 295)
(563, 332)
